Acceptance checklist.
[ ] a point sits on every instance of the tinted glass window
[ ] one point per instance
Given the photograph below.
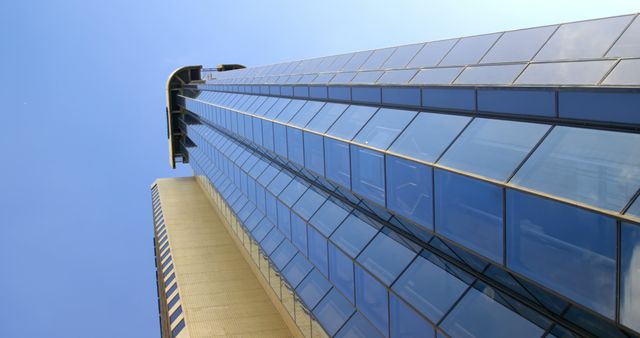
(565, 73)
(279, 182)
(564, 248)
(384, 127)
(329, 217)
(326, 117)
(596, 167)
(630, 276)
(318, 250)
(436, 75)
(290, 110)
(386, 257)
(367, 77)
(271, 242)
(402, 55)
(428, 135)
(584, 39)
(627, 72)
(350, 122)
(333, 311)
(405, 322)
(410, 190)
(629, 43)
(493, 148)
(634, 209)
(261, 231)
(264, 108)
(337, 161)
(368, 173)
(280, 139)
(480, 314)
(292, 192)
(308, 203)
(502, 74)
(353, 235)
(431, 285)
(284, 219)
(469, 50)
(313, 288)
(295, 146)
(358, 327)
(343, 77)
(378, 58)
(431, 54)
(371, 299)
(277, 107)
(283, 254)
(357, 60)
(520, 45)
(341, 271)
(397, 76)
(299, 233)
(469, 211)
(306, 113)
(314, 152)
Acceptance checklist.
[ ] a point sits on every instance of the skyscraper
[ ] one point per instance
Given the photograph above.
(484, 186)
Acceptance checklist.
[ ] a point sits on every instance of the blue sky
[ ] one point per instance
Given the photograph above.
(84, 128)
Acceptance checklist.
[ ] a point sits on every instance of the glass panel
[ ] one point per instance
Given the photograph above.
(314, 152)
(358, 327)
(340, 62)
(343, 77)
(306, 113)
(629, 43)
(350, 122)
(276, 108)
(313, 288)
(634, 209)
(469, 212)
(367, 174)
(309, 203)
(596, 167)
(499, 75)
(271, 242)
(584, 39)
(436, 75)
(280, 139)
(266, 106)
(564, 248)
(323, 78)
(329, 217)
(627, 72)
(428, 135)
(397, 76)
(262, 230)
(565, 73)
(371, 299)
(469, 50)
(326, 117)
(357, 60)
(480, 314)
(299, 233)
(630, 276)
(402, 55)
(341, 271)
(353, 235)
(279, 183)
(520, 45)
(283, 254)
(296, 270)
(333, 311)
(295, 145)
(378, 58)
(431, 54)
(410, 190)
(405, 322)
(493, 148)
(291, 109)
(337, 161)
(318, 250)
(431, 285)
(292, 192)
(386, 257)
(384, 127)
(367, 77)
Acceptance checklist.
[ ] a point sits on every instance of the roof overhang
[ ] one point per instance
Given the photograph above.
(175, 84)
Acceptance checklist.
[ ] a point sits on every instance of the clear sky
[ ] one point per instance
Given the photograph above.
(84, 133)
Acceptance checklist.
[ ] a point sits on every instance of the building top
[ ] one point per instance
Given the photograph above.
(600, 52)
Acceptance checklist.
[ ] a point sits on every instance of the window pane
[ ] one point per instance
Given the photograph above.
(261, 230)
(271, 242)
(295, 146)
(386, 257)
(634, 209)
(405, 322)
(565, 73)
(292, 192)
(276, 108)
(299, 233)
(630, 276)
(629, 43)
(353, 234)
(479, 314)
(341, 271)
(397, 76)
(307, 205)
(279, 182)
(306, 113)
(329, 217)
(410, 190)
(367, 170)
(337, 161)
(333, 311)
(493, 148)
(384, 127)
(436, 75)
(264, 108)
(283, 254)
(377, 59)
(284, 219)
(291, 109)
(503, 74)
(371, 299)
(469, 50)
(431, 54)
(280, 139)
(627, 72)
(428, 135)
(357, 60)
(520, 45)
(326, 117)
(343, 77)
(313, 288)
(469, 211)
(296, 270)
(402, 55)
(358, 327)
(564, 248)
(318, 250)
(431, 285)
(367, 77)
(596, 167)
(584, 39)
(350, 122)
(314, 152)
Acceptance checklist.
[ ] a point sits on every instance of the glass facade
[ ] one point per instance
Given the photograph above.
(497, 203)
